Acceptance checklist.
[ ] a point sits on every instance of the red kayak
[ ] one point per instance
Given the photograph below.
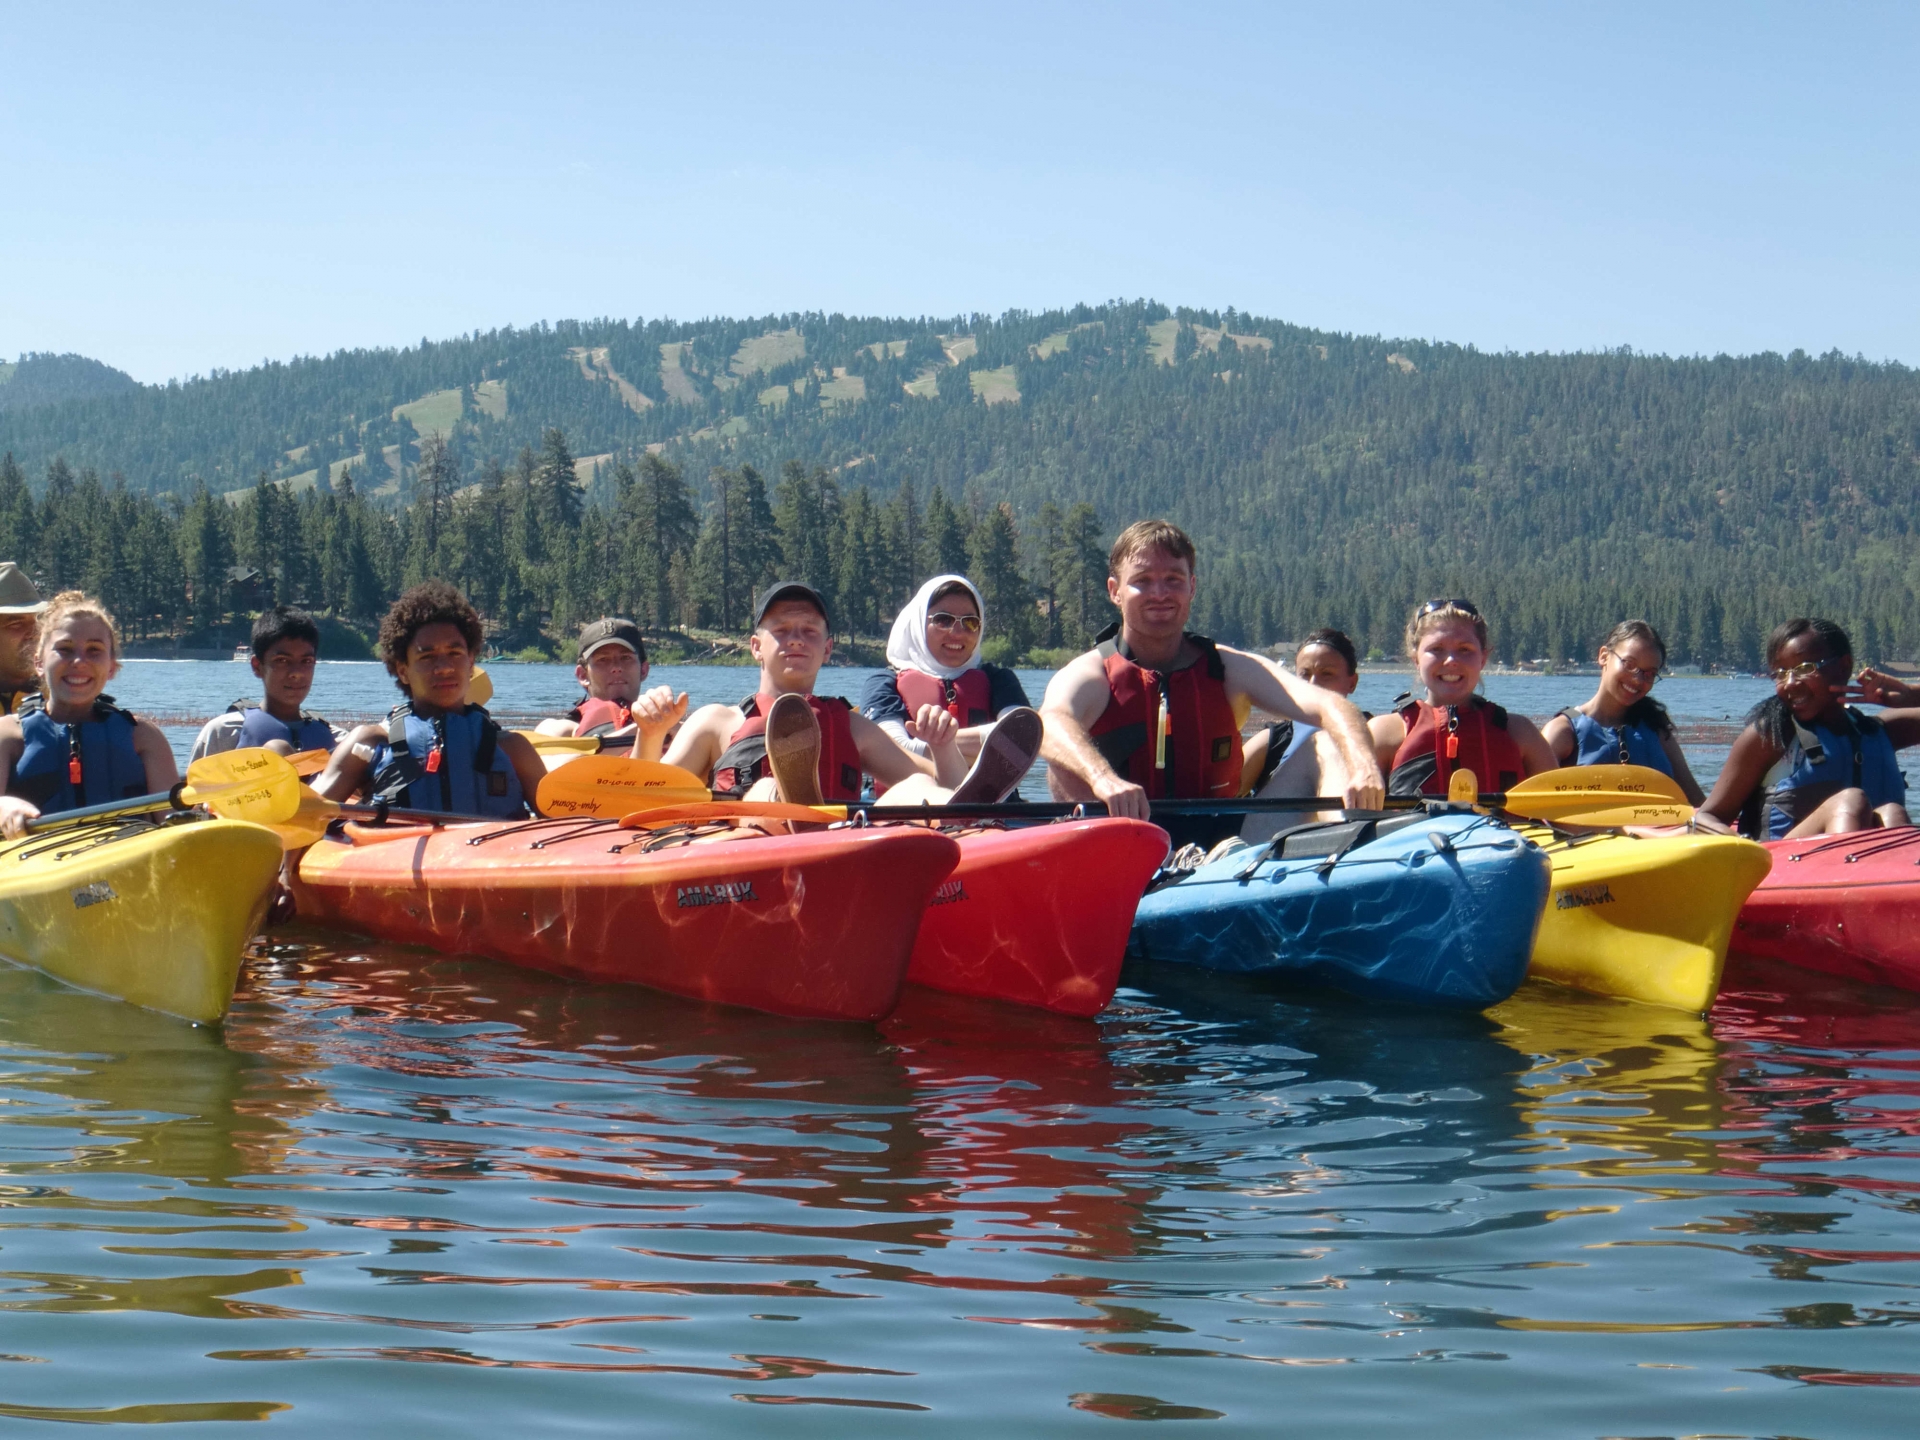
(817, 925)
(1843, 904)
(1039, 915)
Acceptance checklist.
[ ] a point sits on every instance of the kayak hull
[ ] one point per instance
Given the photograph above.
(1846, 905)
(816, 926)
(1643, 919)
(1440, 911)
(1039, 915)
(156, 915)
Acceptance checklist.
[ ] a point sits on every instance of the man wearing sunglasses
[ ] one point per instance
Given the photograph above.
(1154, 712)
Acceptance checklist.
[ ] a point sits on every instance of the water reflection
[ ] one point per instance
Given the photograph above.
(458, 1194)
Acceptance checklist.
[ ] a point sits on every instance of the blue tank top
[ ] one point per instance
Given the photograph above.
(1799, 783)
(257, 727)
(1629, 744)
(451, 765)
(101, 749)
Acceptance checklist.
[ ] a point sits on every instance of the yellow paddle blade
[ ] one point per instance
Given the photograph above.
(1603, 810)
(255, 785)
(735, 810)
(308, 824)
(609, 786)
(307, 763)
(479, 687)
(1623, 779)
(562, 744)
(1463, 787)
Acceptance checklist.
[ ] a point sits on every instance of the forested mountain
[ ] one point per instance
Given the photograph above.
(45, 379)
(1329, 478)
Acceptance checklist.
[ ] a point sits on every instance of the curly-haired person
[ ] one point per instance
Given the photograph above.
(435, 751)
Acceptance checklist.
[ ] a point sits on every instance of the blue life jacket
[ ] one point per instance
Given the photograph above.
(1821, 762)
(451, 764)
(257, 727)
(98, 754)
(1629, 744)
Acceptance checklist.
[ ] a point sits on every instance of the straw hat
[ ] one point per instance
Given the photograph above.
(17, 593)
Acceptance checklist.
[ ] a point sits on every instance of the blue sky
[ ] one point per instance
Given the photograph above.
(183, 188)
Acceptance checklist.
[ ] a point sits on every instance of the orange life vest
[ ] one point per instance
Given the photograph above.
(1171, 732)
(600, 717)
(745, 758)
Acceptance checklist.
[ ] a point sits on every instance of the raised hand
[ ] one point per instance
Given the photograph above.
(1878, 688)
(935, 726)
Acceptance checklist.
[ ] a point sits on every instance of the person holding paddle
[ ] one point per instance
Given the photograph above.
(75, 747)
(1623, 724)
(1808, 763)
(785, 742)
(286, 648)
(435, 751)
(1425, 741)
(1154, 712)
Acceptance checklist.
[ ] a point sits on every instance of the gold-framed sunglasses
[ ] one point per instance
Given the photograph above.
(968, 623)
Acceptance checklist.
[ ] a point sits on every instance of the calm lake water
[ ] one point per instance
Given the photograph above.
(406, 1195)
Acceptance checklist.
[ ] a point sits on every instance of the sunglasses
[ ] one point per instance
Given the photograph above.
(1806, 670)
(1465, 607)
(968, 623)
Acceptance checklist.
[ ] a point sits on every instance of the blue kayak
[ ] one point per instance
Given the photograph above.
(1435, 907)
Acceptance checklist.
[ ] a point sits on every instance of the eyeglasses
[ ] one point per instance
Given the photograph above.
(968, 623)
(1805, 670)
(1466, 607)
(1638, 671)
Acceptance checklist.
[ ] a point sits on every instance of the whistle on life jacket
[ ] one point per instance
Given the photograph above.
(73, 769)
(1162, 732)
(1453, 733)
(433, 761)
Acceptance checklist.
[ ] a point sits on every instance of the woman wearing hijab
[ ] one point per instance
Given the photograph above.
(935, 654)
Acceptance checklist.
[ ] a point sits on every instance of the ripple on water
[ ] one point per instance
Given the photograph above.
(416, 1195)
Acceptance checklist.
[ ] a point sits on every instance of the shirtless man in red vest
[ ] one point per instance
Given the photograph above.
(1154, 712)
(785, 742)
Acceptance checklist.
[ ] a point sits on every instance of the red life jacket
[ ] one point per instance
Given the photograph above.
(1440, 741)
(967, 697)
(745, 758)
(1202, 752)
(600, 717)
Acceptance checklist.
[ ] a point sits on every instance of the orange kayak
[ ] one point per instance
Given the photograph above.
(1039, 915)
(816, 925)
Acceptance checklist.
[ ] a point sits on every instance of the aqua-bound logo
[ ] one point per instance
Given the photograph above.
(1583, 895)
(726, 892)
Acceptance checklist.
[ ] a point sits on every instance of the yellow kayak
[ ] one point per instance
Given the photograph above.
(153, 914)
(1642, 919)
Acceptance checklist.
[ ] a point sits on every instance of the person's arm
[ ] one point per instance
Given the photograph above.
(1747, 764)
(890, 764)
(654, 715)
(702, 740)
(351, 765)
(557, 725)
(1903, 727)
(1389, 733)
(1076, 697)
(217, 736)
(1536, 755)
(14, 812)
(1682, 772)
(1288, 696)
(163, 772)
(527, 764)
(1558, 733)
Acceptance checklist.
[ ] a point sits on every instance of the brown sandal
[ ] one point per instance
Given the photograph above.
(793, 749)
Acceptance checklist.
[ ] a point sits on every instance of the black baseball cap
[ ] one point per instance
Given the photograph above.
(608, 630)
(790, 590)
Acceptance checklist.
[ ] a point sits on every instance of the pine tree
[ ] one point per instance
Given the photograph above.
(559, 491)
(994, 551)
(946, 530)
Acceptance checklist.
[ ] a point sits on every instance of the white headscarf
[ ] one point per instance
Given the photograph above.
(907, 647)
